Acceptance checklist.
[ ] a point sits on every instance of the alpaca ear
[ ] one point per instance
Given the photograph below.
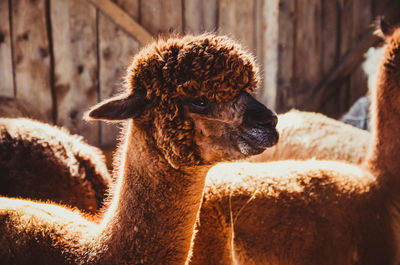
(386, 28)
(119, 107)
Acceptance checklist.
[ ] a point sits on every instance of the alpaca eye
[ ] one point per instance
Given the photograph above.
(200, 104)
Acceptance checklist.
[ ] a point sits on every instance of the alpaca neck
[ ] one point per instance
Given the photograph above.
(152, 215)
(384, 152)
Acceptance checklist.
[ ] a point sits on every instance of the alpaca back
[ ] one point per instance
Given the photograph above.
(43, 162)
(306, 135)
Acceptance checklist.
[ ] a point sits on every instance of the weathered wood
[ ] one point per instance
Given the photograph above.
(6, 66)
(236, 19)
(307, 49)
(162, 16)
(199, 16)
(330, 48)
(259, 24)
(358, 80)
(349, 61)
(286, 90)
(32, 55)
(116, 49)
(124, 20)
(76, 72)
(270, 44)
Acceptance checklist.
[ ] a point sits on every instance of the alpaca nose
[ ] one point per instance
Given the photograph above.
(270, 121)
(261, 118)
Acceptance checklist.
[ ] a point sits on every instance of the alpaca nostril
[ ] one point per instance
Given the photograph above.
(262, 120)
(270, 121)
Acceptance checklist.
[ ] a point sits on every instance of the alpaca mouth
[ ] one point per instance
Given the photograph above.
(256, 140)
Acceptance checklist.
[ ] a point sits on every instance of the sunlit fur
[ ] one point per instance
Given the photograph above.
(161, 170)
(312, 212)
(44, 162)
(306, 135)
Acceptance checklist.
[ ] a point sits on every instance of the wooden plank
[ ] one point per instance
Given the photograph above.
(358, 80)
(270, 44)
(32, 55)
(307, 68)
(236, 19)
(6, 72)
(349, 61)
(116, 50)
(75, 55)
(259, 29)
(330, 48)
(378, 7)
(286, 91)
(347, 23)
(123, 19)
(199, 16)
(162, 16)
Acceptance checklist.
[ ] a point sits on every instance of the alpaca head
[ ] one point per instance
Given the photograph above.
(191, 96)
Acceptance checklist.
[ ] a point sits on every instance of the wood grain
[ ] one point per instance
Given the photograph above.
(116, 49)
(286, 89)
(330, 49)
(32, 55)
(236, 19)
(76, 73)
(358, 79)
(307, 50)
(199, 16)
(162, 16)
(6, 65)
(270, 44)
(119, 16)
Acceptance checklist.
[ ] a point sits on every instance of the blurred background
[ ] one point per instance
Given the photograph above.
(62, 56)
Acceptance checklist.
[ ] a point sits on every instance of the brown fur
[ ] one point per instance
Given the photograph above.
(44, 162)
(171, 141)
(312, 212)
(303, 135)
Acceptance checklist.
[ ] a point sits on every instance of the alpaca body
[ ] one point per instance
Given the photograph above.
(201, 114)
(43, 162)
(306, 135)
(293, 212)
(50, 234)
(313, 212)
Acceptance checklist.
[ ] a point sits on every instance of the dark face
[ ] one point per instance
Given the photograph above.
(233, 130)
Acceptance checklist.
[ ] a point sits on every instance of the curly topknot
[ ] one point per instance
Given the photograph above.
(178, 69)
(214, 65)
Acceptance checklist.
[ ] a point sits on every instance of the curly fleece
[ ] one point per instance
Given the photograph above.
(169, 70)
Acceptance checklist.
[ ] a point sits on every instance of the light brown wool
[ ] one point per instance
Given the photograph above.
(170, 142)
(312, 212)
(307, 135)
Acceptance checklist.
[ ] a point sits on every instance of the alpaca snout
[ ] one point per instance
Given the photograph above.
(261, 117)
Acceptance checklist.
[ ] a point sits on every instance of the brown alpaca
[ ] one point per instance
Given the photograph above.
(178, 127)
(303, 135)
(43, 162)
(312, 212)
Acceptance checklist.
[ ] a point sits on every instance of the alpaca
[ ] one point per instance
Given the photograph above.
(312, 212)
(306, 135)
(188, 106)
(44, 162)
(303, 135)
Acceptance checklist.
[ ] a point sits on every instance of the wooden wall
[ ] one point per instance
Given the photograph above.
(63, 56)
